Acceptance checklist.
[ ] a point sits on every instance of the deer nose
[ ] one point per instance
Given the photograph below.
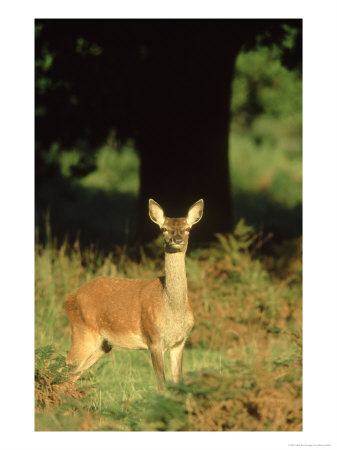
(178, 239)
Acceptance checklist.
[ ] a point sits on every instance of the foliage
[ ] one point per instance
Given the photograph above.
(243, 359)
(245, 290)
(124, 63)
(115, 170)
(52, 385)
(266, 141)
(97, 196)
(263, 86)
(256, 399)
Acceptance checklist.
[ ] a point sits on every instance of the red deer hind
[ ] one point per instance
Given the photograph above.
(137, 314)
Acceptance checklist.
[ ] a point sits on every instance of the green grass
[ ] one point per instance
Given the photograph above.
(122, 394)
(243, 356)
(243, 360)
(117, 381)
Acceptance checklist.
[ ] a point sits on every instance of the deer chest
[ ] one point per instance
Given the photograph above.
(176, 327)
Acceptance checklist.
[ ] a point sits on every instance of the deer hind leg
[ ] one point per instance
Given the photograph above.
(85, 350)
(157, 355)
(176, 357)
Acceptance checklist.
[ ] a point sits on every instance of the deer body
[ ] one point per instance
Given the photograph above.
(137, 314)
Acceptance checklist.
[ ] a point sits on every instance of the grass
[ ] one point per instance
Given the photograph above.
(242, 361)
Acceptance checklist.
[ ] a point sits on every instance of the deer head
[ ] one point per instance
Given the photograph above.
(175, 230)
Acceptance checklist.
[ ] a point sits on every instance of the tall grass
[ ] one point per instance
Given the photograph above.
(242, 361)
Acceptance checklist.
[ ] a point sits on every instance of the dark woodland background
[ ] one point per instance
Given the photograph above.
(174, 110)
(161, 96)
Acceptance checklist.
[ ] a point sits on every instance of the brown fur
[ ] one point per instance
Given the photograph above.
(137, 314)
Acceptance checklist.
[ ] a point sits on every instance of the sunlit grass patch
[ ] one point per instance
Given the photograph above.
(245, 349)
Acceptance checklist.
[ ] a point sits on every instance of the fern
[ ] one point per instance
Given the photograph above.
(49, 364)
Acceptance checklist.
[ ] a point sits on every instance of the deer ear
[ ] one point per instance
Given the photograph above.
(195, 212)
(156, 213)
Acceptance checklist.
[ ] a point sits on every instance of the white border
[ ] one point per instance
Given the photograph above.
(320, 224)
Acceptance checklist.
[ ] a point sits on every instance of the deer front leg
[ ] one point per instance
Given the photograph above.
(157, 356)
(176, 356)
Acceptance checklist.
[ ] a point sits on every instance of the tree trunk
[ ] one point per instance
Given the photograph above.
(183, 145)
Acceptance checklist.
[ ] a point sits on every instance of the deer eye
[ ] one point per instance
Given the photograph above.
(188, 229)
(163, 230)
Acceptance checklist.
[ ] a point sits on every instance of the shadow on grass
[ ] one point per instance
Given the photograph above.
(263, 212)
(66, 210)
(106, 219)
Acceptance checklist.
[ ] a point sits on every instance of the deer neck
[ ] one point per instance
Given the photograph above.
(175, 280)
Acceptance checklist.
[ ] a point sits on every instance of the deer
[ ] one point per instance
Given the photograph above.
(153, 314)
